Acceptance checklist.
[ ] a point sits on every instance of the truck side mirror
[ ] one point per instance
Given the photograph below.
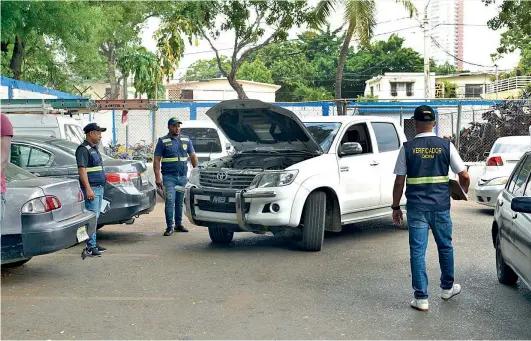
(350, 148)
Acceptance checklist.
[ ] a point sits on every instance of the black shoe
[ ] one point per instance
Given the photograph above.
(92, 252)
(100, 248)
(168, 232)
(180, 228)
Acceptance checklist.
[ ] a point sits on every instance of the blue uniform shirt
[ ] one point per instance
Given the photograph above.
(174, 152)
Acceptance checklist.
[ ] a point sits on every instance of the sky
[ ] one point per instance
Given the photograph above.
(479, 41)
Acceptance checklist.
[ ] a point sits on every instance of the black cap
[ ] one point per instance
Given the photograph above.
(93, 127)
(174, 120)
(424, 113)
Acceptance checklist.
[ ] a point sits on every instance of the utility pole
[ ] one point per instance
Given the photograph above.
(426, 55)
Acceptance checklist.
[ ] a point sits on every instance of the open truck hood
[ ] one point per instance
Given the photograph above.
(250, 124)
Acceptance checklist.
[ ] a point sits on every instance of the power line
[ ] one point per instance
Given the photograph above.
(455, 57)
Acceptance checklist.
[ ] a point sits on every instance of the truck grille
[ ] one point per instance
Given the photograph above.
(229, 207)
(231, 181)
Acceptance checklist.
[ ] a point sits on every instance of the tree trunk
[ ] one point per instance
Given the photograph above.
(111, 73)
(340, 66)
(237, 86)
(18, 57)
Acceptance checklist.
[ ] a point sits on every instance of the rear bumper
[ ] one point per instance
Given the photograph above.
(240, 217)
(126, 206)
(40, 237)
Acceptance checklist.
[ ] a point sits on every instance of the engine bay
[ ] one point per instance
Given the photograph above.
(259, 161)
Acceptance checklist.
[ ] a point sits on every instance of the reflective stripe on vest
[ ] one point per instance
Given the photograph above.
(174, 159)
(94, 169)
(427, 180)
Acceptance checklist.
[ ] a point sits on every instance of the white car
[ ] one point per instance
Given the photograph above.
(503, 156)
(209, 143)
(294, 178)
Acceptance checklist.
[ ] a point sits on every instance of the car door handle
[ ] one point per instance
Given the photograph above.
(515, 216)
(374, 163)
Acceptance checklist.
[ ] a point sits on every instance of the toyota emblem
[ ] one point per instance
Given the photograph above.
(222, 176)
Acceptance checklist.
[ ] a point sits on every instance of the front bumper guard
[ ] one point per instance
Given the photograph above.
(239, 198)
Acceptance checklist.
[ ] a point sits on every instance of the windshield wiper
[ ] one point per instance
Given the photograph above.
(260, 151)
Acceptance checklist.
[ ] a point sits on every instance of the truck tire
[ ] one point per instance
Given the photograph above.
(505, 274)
(220, 235)
(313, 222)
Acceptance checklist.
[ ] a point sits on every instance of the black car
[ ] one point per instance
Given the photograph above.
(128, 188)
(511, 230)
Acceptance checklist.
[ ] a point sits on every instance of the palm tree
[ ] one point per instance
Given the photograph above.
(360, 16)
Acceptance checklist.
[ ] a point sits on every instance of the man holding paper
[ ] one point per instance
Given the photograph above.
(92, 179)
(423, 165)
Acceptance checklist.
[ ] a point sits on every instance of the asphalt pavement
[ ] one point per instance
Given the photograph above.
(147, 286)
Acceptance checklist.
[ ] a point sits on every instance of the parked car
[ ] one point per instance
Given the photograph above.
(128, 189)
(511, 229)
(501, 160)
(43, 215)
(50, 125)
(293, 178)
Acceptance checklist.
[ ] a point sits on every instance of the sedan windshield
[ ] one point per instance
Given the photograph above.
(502, 148)
(323, 132)
(16, 173)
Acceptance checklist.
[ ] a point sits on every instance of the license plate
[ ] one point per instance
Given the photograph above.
(219, 200)
(82, 234)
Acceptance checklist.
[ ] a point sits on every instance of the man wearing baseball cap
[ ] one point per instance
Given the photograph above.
(92, 179)
(423, 165)
(172, 151)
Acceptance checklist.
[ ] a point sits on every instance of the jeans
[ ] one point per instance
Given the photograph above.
(94, 205)
(174, 188)
(441, 227)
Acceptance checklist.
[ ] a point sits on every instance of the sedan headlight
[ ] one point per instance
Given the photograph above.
(274, 179)
(194, 176)
(498, 181)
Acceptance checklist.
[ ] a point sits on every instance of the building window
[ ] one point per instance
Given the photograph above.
(409, 89)
(393, 89)
(372, 90)
(108, 93)
(187, 94)
(473, 90)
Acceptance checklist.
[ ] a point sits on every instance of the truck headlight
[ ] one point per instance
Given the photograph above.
(274, 179)
(194, 176)
(498, 181)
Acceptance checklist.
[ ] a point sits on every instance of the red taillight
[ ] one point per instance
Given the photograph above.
(41, 205)
(495, 161)
(121, 178)
(80, 196)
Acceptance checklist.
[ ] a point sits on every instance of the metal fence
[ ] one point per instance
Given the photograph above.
(470, 124)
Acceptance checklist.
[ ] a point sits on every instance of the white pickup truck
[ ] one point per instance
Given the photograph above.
(291, 177)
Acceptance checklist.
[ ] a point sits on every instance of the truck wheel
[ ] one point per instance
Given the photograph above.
(313, 221)
(505, 274)
(220, 235)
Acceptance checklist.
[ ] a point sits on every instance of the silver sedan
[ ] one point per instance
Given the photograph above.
(42, 215)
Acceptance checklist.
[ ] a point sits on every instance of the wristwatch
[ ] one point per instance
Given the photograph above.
(395, 208)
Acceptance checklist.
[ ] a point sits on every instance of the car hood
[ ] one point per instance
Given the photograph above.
(251, 124)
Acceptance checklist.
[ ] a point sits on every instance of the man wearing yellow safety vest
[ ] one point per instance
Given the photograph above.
(423, 164)
(92, 178)
(172, 151)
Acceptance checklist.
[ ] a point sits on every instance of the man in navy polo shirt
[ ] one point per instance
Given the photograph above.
(172, 151)
(423, 164)
(92, 179)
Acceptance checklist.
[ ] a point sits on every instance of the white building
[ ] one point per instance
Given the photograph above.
(399, 86)
(219, 89)
(446, 27)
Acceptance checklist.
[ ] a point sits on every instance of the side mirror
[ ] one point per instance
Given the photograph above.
(521, 204)
(350, 148)
(228, 146)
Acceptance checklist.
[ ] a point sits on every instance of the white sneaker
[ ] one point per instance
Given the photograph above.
(421, 305)
(449, 293)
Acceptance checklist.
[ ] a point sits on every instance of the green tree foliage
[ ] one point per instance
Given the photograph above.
(143, 66)
(247, 21)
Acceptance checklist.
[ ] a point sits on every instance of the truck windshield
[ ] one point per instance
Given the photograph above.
(323, 132)
(204, 140)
